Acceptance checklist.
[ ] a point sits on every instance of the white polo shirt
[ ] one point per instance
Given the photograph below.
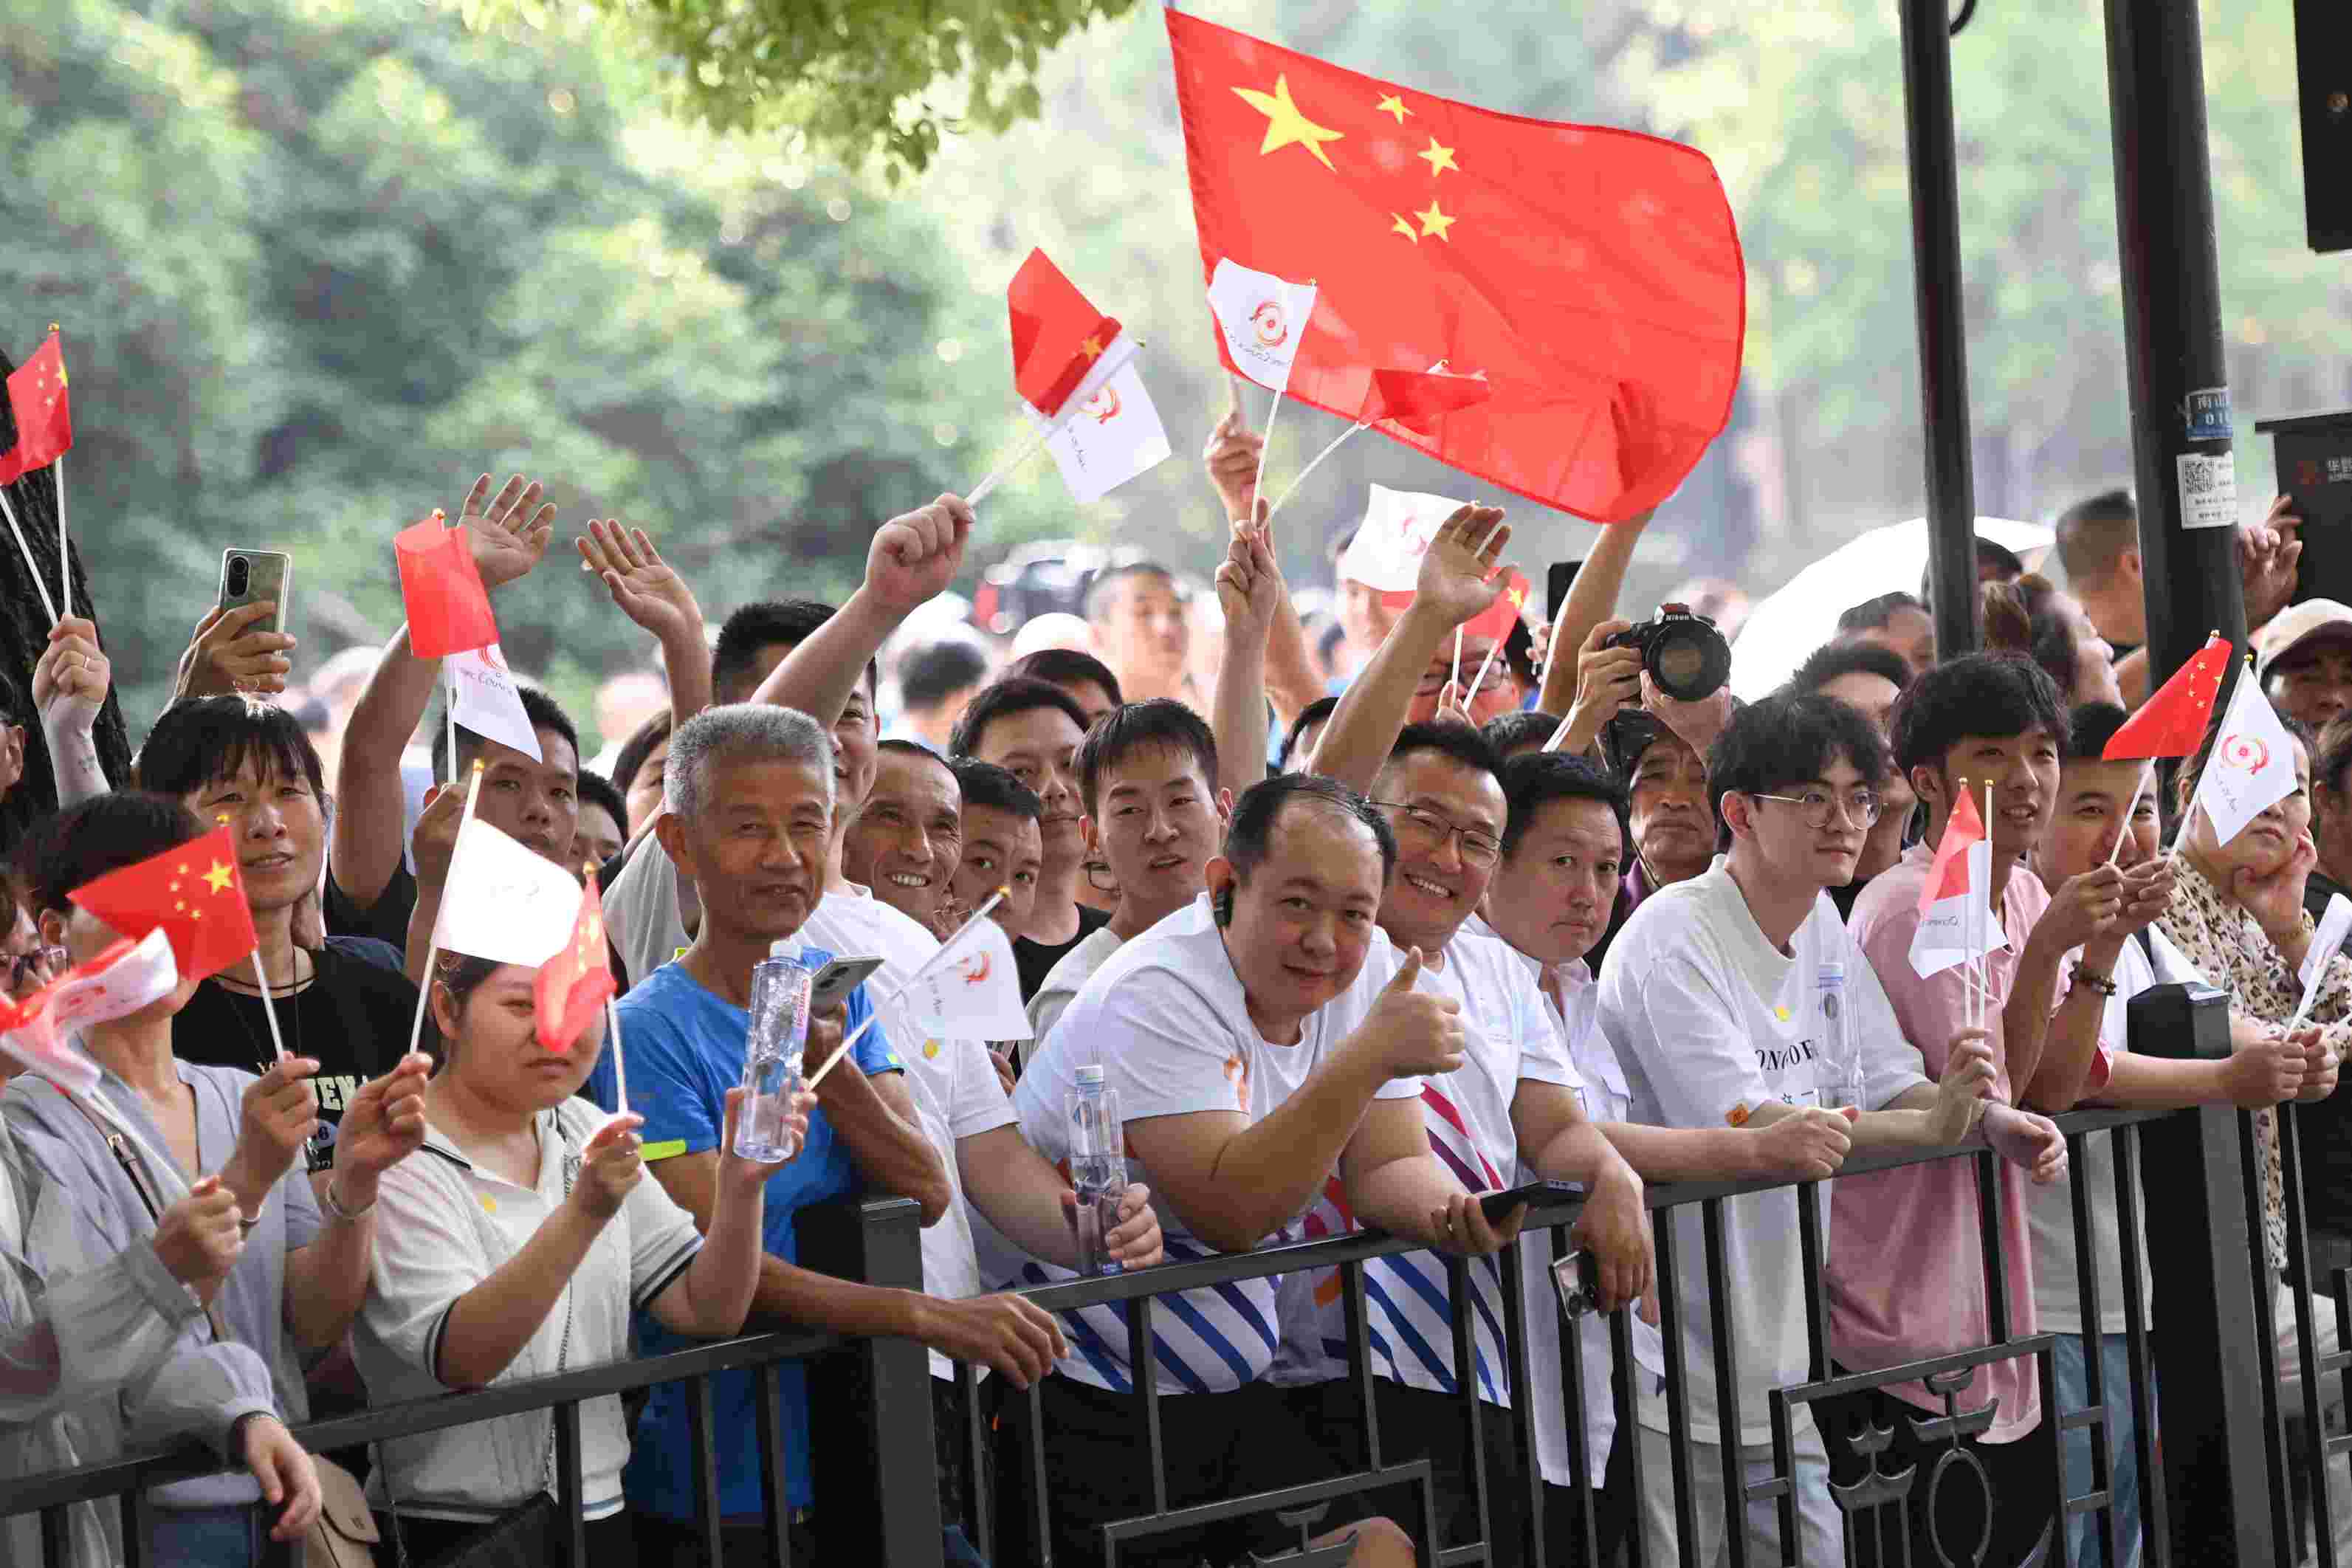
(443, 1227)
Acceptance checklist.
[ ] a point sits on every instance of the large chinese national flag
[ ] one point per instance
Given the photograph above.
(1592, 274)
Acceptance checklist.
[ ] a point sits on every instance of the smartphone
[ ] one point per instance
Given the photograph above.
(1497, 1206)
(1557, 578)
(248, 576)
(1577, 1276)
(836, 980)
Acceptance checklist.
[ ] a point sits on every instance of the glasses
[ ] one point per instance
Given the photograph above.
(1479, 847)
(31, 971)
(1813, 807)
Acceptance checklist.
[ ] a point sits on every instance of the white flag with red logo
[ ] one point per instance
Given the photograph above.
(1956, 923)
(1262, 317)
(119, 981)
(2251, 766)
(1105, 440)
(502, 903)
(487, 701)
(1397, 528)
(969, 989)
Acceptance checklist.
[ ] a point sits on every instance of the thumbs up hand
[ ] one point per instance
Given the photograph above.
(1410, 1032)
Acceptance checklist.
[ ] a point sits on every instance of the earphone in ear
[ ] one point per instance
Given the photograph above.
(1221, 905)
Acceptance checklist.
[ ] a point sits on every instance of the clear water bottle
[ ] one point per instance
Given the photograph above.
(1839, 1073)
(1098, 1167)
(771, 1060)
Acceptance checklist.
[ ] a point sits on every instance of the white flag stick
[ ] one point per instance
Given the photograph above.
(923, 971)
(433, 946)
(268, 1008)
(1559, 736)
(620, 1068)
(1284, 499)
(450, 714)
(1479, 679)
(1984, 921)
(64, 561)
(1456, 681)
(2131, 809)
(39, 585)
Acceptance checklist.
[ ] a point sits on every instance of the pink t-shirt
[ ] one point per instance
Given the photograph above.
(1906, 1271)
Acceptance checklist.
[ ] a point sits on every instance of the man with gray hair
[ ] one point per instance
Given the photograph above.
(749, 795)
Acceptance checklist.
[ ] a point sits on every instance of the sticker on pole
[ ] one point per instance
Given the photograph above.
(2205, 416)
(2208, 490)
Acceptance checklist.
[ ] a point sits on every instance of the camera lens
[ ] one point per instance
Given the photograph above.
(240, 574)
(1689, 659)
(1679, 664)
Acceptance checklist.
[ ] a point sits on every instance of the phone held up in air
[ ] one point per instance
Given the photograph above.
(836, 980)
(1558, 578)
(250, 577)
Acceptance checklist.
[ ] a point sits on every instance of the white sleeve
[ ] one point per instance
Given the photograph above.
(1164, 1046)
(1543, 1044)
(427, 1254)
(978, 1101)
(642, 911)
(1681, 1026)
(662, 1240)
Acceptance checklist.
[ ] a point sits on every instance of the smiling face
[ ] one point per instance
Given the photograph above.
(536, 804)
(1673, 827)
(1157, 825)
(2023, 772)
(1448, 818)
(2095, 801)
(756, 850)
(907, 838)
(1039, 747)
(495, 1047)
(279, 827)
(1551, 896)
(2317, 685)
(1000, 850)
(1302, 921)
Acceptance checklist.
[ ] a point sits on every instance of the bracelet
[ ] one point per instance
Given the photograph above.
(334, 1206)
(2104, 984)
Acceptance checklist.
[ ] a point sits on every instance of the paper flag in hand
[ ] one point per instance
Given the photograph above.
(1956, 923)
(488, 703)
(1115, 436)
(2251, 766)
(577, 980)
(449, 608)
(1057, 336)
(1592, 274)
(1418, 399)
(1397, 528)
(120, 981)
(36, 397)
(194, 894)
(969, 989)
(2172, 722)
(502, 903)
(1263, 319)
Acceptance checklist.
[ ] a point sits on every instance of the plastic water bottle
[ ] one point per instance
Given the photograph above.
(1839, 1075)
(1098, 1167)
(771, 1060)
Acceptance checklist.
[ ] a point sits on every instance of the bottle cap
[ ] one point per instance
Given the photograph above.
(1089, 1076)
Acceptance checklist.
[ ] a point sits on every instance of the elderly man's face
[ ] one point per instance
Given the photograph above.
(755, 847)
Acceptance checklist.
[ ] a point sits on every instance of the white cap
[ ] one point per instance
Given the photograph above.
(2298, 626)
(1089, 1076)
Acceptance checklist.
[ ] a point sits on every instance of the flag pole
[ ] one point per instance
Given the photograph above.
(1266, 448)
(1293, 489)
(260, 972)
(1456, 681)
(620, 1068)
(1559, 736)
(433, 945)
(450, 712)
(1479, 679)
(922, 971)
(1984, 919)
(2131, 809)
(64, 561)
(40, 585)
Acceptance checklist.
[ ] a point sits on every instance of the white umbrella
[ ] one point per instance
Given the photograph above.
(1802, 614)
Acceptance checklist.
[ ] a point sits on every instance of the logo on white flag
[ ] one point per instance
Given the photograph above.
(1103, 406)
(1262, 318)
(487, 701)
(1115, 436)
(2247, 753)
(1273, 330)
(2248, 773)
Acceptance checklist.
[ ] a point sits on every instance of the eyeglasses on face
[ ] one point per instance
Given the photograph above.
(1479, 847)
(1815, 805)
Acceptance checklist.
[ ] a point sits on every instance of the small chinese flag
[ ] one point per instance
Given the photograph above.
(1418, 399)
(577, 980)
(2172, 722)
(37, 397)
(1057, 336)
(194, 894)
(449, 608)
(1495, 621)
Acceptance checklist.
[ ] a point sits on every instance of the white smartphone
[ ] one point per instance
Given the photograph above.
(249, 576)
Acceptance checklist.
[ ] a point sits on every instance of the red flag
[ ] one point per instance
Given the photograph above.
(1497, 618)
(449, 608)
(192, 894)
(1057, 336)
(2172, 722)
(577, 980)
(1418, 400)
(37, 397)
(1947, 874)
(1593, 275)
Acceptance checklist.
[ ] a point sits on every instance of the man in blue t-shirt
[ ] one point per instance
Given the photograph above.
(749, 792)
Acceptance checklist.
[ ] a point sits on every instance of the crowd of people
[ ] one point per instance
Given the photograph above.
(1354, 943)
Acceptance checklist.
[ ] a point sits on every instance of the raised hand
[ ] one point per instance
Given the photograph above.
(2275, 898)
(742, 1176)
(610, 1166)
(199, 1238)
(507, 533)
(434, 841)
(916, 555)
(646, 587)
(2267, 557)
(1249, 584)
(225, 654)
(2147, 894)
(1460, 572)
(1412, 1032)
(382, 1124)
(1232, 458)
(70, 678)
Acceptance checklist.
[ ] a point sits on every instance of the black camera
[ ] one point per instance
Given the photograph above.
(1685, 655)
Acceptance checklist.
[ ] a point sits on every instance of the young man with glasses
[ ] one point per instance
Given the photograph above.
(1711, 1002)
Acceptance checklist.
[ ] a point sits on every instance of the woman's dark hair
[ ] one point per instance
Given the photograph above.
(1251, 835)
(1065, 667)
(1784, 740)
(2022, 617)
(1872, 615)
(637, 747)
(1319, 711)
(1005, 698)
(460, 974)
(202, 740)
(82, 843)
(1533, 782)
(1160, 723)
(1991, 694)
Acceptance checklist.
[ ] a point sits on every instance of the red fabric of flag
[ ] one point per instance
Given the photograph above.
(1056, 334)
(1593, 275)
(37, 397)
(1496, 619)
(2172, 722)
(1947, 874)
(577, 980)
(1419, 400)
(193, 893)
(449, 608)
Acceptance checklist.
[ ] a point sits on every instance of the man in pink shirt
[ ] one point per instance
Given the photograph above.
(1906, 1269)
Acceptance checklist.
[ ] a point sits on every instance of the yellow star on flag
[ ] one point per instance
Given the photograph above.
(1436, 222)
(1394, 105)
(220, 876)
(1286, 125)
(1403, 226)
(1440, 159)
(1092, 348)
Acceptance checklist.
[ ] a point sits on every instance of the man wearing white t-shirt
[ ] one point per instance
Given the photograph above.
(1258, 1040)
(1710, 1001)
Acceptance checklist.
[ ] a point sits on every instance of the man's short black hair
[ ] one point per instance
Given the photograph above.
(639, 747)
(1002, 699)
(2006, 567)
(1532, 781)
(2089, 727)
(2092, 535)
(1255, 814)
(1319, 711)
(929, 676)
(75, 846)
(1787, 740)
(1872, 615)
(1162, 723)
(767, 624)
(1065, 667)
(1628, 736)
(1991, 694)
(538, 707)
(899, 745)
(203, 740)
(1450, 738)
(1508, 733)
(985, 784)
(1835, 660)
(596, 790)
(1098, 589)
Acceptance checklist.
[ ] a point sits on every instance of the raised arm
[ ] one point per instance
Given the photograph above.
(69, 682)
(912, 559)
(650, 592)
(1247, 591)
(1459, 578)
(1591, 599)
(1232, 460)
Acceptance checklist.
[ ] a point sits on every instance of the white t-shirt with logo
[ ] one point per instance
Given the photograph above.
(1710, 1022)
(1166, 1019)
